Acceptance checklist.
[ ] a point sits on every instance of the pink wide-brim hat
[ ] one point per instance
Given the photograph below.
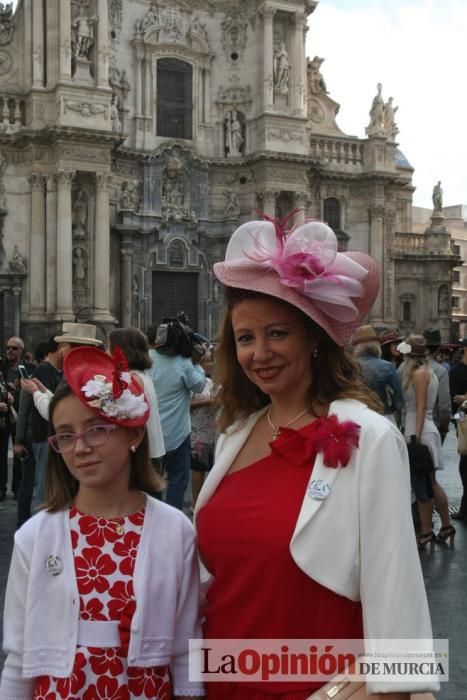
(304, 268)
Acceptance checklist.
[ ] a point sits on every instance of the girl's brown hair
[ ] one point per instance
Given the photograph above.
(61, 486)
(134, 344)
(335, 373)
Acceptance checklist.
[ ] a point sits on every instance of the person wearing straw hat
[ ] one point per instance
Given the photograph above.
(379, 375)
(73, 335)
(304, 521)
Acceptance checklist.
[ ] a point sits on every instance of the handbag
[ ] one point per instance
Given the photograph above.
(462, 436)
(341, 690)
(420, 459)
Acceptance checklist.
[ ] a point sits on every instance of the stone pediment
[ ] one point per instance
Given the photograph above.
(173, 25)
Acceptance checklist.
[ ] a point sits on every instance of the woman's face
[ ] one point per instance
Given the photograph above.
(107, 465)
(273, 346)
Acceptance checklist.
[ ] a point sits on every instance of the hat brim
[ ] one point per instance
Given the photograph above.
(249, 277)
(399, 339)
(76, 339)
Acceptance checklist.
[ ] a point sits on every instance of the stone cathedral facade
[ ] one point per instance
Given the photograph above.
(136, 135)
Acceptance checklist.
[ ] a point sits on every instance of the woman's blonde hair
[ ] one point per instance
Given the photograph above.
(61, 486)
(335, 373)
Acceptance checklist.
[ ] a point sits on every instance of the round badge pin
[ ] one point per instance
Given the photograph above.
(318, 490)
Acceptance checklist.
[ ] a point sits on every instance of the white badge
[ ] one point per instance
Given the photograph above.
(318, 490)
(53, 565)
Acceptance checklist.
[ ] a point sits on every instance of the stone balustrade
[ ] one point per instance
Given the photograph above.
(409, 243)
(335, 150)
(12, 111)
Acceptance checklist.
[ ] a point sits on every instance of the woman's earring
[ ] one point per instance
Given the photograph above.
(133, 449)
(315, 353)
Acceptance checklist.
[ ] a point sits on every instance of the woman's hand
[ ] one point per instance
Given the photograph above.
(33, 385)
(3, 407)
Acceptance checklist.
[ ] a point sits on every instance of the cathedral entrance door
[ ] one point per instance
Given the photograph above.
(173, 292)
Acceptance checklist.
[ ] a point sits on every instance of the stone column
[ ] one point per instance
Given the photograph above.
(299, 65)
(147, 88)
(377, 252)
(64, 267)
(37, 247)
(139, 85)
(102, 44)
(65, 38)
(51, 245)
(126, 252)
(37, 44)
(16, 290)
(102, 250)
(268, 58)
(301, 202)
(269, 203)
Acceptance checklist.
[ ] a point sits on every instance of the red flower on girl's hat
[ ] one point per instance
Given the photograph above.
(121, 365)
(336, 440)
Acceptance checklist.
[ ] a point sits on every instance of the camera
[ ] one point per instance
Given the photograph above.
(175, 337)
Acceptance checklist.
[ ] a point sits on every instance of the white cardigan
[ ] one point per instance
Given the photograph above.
(41, 621)
(359, 541)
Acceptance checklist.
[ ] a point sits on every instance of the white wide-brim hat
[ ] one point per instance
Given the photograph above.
(82, 333)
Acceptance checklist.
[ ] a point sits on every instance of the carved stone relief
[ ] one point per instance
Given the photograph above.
(234, 134)
(163, 24)
(286, 135)
(234, 95)
(6, 62)
(86, 109)
(174, 190)
(79, 266)
(6, 23)
(79, 215)
(234, 33)
(232, 208)
(16, 263)
(128, 199)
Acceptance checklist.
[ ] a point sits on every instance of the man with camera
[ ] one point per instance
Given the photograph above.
(176, 374)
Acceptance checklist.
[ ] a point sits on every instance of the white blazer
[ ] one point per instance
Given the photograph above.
(359, 541)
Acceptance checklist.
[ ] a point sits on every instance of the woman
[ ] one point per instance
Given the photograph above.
(203, 428)
(134, 345)
(294, 547)
(420, 386)
(389, 340)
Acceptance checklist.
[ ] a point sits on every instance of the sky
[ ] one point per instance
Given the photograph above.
(417, 49)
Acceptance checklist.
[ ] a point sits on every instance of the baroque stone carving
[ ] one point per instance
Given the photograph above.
(232, 209)
(165, 23)
(234, 32)
(17, 264)
(389, 119)
(79, 216)
(115, 115)
(316, 84)
(234, 95)
(285, 135)
(234, 140)
(174, 191)
(6, 62)
(281, 69)
(437, 197)
(79, 265)
(115, 13)
(83, 31)
(376, 125)
(6, 23)
(128, 196)
(86, 109)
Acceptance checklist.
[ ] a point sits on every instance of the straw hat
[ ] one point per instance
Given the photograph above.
(364, 334)
(82, 333)
(304, 268)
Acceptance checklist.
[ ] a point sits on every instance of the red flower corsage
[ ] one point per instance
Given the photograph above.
(336, 440)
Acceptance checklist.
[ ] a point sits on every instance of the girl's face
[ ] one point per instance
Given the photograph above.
(273, 346)
(103, 467)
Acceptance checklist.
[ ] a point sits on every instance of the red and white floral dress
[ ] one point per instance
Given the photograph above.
(104, 554)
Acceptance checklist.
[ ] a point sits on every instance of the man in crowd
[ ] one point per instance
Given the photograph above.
(442, 409)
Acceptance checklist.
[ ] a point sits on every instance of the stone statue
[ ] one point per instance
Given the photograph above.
(79, 265)
(79, 215)
(6, 22)
(443, 300)
(115, 115)
(389, 121)
(128, 196)
(281, 69)
(437, 197)
(232, 209)
(83, 27)
(316, 84)
(376, 125)
(233, 134)
(16, 263)
(174, 191)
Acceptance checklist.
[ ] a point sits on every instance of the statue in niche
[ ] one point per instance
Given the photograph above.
(83, 27)
(233, 134)
(316, 84)
(173, 191)
(6, 22)
(16, 263)
(232, 209)
(128, 196)
(79, 214)
(376, 125)
(437, 197)
(79, 266)
(115, 114)
(443, 300)
(281, 69)
(389, 119)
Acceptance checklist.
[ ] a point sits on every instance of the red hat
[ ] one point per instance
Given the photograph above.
(104, 385)
(304, 268)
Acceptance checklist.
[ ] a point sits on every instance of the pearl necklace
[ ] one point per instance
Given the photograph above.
(277, 431)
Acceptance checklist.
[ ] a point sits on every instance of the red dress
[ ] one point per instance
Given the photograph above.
(258, 592)
(104, 553)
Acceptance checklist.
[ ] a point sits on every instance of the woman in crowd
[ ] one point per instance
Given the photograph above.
(133, 343)
(304, 521)
(420, 386)
(103, 589)
(389, 340)
(203, 428)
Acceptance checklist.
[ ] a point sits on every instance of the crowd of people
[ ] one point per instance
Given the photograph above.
(302, 505)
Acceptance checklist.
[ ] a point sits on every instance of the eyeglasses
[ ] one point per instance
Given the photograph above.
(13, 347)
(95, 436)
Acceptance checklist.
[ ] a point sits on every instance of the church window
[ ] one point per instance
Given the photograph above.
(455, 302)
(174, 98)
(332, 213)
(456, 276)
(407, 311)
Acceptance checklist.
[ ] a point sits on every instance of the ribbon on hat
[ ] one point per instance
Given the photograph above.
(305, 258)
(121, 366)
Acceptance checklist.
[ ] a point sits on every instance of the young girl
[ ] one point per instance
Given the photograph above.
(102, 595)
